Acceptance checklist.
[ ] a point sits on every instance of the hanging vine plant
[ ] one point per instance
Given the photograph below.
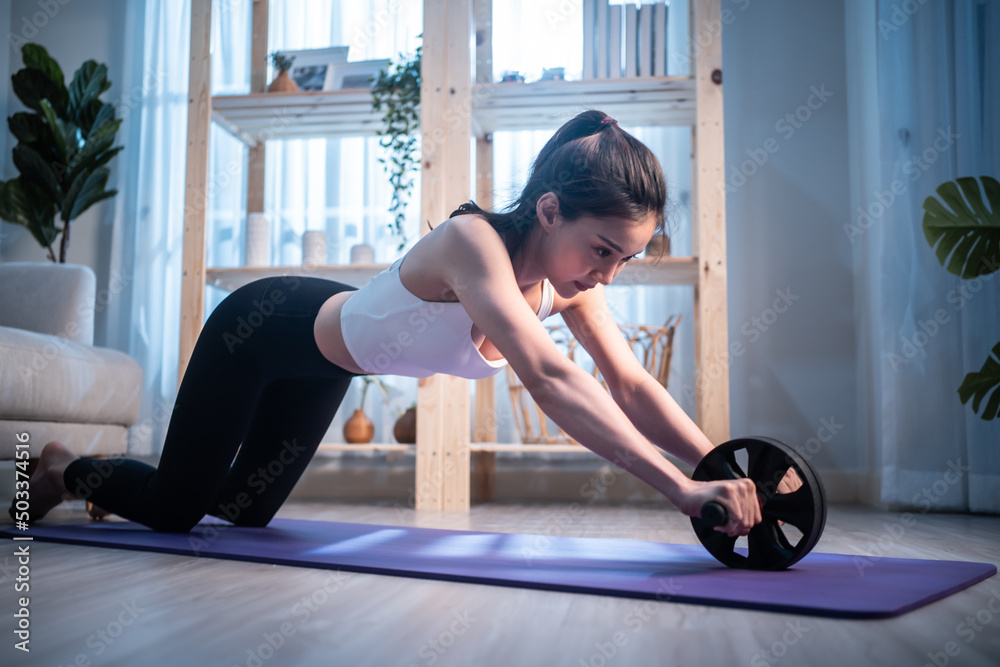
(396, 95)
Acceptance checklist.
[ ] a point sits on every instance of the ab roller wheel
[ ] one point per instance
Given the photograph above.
(772, 544)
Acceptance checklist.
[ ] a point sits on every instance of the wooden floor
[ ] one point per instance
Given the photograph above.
(106, 607)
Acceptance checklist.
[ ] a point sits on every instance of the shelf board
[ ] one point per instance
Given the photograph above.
(474, 447)
(526, 449)
(665, 271)
(350, 274)
(647, 101)
(367, 447)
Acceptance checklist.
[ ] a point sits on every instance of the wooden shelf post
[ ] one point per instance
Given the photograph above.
(709, 219)
(443, 424)
(196, 183)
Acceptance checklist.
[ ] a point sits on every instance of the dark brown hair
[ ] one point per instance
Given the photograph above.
(594, 168)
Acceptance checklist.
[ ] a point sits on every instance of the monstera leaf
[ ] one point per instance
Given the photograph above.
(964, 232)
(965, 236)
(977, 385)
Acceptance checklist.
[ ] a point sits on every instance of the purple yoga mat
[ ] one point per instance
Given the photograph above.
(840, 586)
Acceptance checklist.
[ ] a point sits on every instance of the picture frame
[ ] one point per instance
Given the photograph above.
(313, 69)
(354, 75)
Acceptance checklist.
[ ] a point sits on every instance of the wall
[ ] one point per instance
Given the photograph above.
(790, 264)
(72, 31)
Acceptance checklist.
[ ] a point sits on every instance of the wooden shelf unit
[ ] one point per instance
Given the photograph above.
(454, 107)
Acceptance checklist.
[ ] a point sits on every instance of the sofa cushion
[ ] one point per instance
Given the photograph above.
(47, 378)
(49, 298)
(82, 439)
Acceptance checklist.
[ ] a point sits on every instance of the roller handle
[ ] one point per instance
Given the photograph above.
(714, 514)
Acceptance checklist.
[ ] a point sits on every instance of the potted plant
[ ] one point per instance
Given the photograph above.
(283, 82)
(967, 243)
(64, 142)
(396, 95)
(358, 429)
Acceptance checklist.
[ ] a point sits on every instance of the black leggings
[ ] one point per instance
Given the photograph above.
(254, 403)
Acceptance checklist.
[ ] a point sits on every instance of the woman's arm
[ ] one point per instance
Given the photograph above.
(475, 265)
(644, 401)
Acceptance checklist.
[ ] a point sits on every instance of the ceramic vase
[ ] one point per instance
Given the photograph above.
(358, 429)
(283, 83)
(405, 430)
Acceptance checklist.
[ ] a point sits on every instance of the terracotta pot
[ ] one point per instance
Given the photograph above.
(283, 83)
(358, 429)
(405, 430)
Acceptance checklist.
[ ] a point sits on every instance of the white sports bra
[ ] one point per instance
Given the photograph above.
(389, 330)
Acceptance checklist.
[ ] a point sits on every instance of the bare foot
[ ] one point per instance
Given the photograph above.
(96, 513)
(46, 486)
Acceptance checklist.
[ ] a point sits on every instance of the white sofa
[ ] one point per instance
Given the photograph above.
(54, 384)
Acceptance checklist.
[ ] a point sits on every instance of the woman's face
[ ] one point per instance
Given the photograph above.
(592, 250)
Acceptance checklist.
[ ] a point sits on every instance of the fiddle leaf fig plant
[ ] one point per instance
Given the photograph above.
(64, 142)
(396, 94)
(963, 229)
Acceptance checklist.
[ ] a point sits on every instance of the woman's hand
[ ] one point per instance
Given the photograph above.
(790, 482)
(738, 496)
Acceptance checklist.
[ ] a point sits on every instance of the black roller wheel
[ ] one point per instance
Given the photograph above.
(771, 545)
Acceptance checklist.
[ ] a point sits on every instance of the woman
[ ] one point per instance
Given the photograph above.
(274, 360)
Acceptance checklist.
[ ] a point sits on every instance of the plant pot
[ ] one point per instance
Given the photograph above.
(405, 430)
(283, 83)
(358, 429)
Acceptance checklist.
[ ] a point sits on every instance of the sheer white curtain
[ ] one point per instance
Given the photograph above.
(926, 112)
(147, 245)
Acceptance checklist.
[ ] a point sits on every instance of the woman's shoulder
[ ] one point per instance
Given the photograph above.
(455, 250)
(471, 235)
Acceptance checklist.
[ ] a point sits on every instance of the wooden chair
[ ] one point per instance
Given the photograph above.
(653, 346)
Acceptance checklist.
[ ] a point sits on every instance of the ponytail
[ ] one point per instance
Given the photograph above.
(594, 168)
